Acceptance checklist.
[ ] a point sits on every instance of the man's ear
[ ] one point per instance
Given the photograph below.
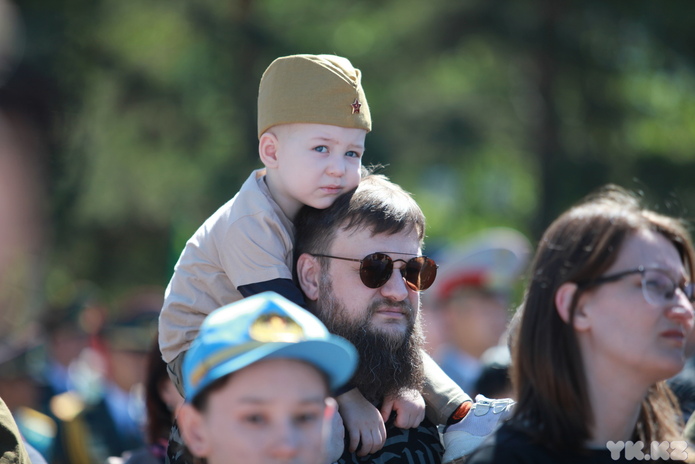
(268, 149)
(563, 304)
(192, 429)
(308, 274)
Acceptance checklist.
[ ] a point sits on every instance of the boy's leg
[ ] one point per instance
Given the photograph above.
(175, 371)
(442, 395)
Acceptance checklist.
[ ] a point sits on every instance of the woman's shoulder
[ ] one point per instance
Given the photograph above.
(513, 444)
(510, 444)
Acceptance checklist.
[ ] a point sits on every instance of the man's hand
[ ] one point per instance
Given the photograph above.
(409, 406)
(363, 423)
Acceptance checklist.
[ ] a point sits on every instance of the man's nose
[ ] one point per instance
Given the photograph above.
(396, 288)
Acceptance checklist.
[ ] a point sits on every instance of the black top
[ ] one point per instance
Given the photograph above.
(510, 445)
(420, 445)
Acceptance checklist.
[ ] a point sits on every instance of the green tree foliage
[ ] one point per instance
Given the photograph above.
(491, 112)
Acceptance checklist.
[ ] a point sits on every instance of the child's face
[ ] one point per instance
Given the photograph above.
(316, 163)
(270, 411)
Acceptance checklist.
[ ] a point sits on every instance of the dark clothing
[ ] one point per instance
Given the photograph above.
(92, 436)
(283, 287)
(176, 452)
(414, 446)
(107, 434)
(151, 454)
(511, 445)
(683, 386)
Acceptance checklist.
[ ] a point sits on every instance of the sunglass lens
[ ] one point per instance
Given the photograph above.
(376, 270)
(420, 273)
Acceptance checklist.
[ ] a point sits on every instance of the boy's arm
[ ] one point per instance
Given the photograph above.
(409, 407)
(363, 423)
(284, 287)
(442, 395)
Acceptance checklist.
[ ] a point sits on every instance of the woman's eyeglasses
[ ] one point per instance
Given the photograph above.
(658, 287)
(376, 269)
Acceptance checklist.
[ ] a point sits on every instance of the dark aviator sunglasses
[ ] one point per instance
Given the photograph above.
(376, 269)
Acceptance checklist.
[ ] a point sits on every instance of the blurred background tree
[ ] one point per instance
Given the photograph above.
(492, 113)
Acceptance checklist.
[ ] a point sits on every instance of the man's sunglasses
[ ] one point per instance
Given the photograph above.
(376, 269)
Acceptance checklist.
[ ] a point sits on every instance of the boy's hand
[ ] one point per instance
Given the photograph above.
(409, 406)
(363, 423)
(335, 439)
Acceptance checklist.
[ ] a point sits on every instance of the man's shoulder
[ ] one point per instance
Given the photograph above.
(424, 438)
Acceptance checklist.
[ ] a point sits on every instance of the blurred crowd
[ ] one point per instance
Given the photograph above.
(468, 308)
(85, 380)
(78, 391)
(73, 372)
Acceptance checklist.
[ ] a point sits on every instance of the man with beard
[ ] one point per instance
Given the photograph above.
(374, 302)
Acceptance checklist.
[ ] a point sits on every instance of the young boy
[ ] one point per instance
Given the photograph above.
(313, 118)
(257, 381)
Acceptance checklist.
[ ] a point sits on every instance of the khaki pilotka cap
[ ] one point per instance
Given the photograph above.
(317, 89)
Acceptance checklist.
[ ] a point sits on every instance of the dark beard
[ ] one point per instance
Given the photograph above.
(389, 362)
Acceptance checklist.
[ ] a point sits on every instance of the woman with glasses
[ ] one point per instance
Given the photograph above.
(604, 323)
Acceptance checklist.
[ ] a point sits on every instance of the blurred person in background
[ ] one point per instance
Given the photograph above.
(162, 401)
(21, 391)
(493, 381)
(111, 420)
(24, 146)
(468, 305)
(68, 329)
(26, 111)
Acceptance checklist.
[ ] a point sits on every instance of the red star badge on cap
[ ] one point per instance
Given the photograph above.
(356, 105)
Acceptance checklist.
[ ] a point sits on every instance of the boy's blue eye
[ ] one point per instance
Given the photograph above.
(321, 149)
(353, 154)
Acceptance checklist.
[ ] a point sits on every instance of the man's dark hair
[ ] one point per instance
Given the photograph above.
(376, 204)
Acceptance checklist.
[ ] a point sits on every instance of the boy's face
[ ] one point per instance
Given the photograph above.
(271, 411)
(315, 164)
